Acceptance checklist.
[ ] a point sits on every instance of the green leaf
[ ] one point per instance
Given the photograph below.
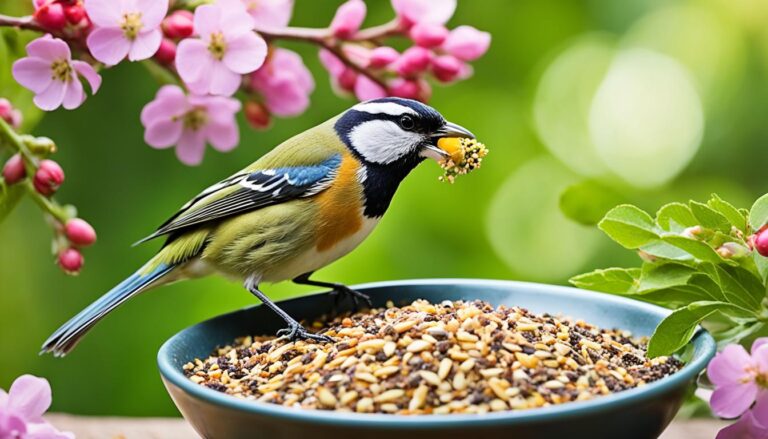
(9, 198)
(611, 280)
(735, 217)
(698, 249)
(708, 285)
(761, 262)
(675, 217)
(758, 214)
(629, 226)
(741, 287)
(710, 218)
(659, 277)
(588, 201)
(663, 250)
(677, 329)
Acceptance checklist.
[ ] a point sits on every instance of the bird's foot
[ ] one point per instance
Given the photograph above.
(341, 292)
(295, 331)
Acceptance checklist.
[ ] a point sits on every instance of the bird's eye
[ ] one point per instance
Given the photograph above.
(407, 122)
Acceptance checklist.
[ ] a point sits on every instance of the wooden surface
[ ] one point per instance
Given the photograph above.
(172, 428)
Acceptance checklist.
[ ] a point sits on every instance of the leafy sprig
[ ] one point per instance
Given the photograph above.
(698, 259)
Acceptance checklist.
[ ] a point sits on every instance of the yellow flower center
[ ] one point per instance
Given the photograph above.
(195, 119)
(131, 24)
(61, 70)
(217, 46)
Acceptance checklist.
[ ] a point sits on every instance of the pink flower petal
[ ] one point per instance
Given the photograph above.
(49, 49)
(206, 21)
(366, 89)
(108, 45)
(193, 59)
(245, 53)
(52, 97)
(234, 20)
(221, 110)
(29, 397)
(11, 423)
(332, 63)
(191, 147)
(169, 102)
(467, 43)
(732, 400)
(73, 94)
(425, 11)
(286, 99)
(33, 73)
(152, 12)
(163, 133)
(104, 13)
(145, 45)
(287, 61)
(3, 399)
(223, 137)
(223, 82)
(90, 75)
(729, 366)
(44, 430)
(270, 13)
(759, 342)
(760, 409)
(348, 19)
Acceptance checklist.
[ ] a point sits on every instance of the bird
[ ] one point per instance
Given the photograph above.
(298, 208)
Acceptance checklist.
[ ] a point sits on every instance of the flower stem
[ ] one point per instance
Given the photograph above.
(27, 23)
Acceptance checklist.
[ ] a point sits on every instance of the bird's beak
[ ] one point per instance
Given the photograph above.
(450, 129)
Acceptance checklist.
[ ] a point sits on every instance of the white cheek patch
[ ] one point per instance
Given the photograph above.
(389, 108)
(383, 141)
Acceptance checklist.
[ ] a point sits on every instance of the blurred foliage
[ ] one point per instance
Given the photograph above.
(658, 100)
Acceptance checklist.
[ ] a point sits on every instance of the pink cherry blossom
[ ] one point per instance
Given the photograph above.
(417, 89)
(467, 43)
(367, 89)
(188, 122)
(447, 68)
(343, 78)
(424, 11)
(428, 34)
(285, 83)
(752, 425)
(269, 13)
(125, 28)
(227, 49)
(383, 56)
(10, 115)
(414, 60)
(22, 408)
(348, 19)
(738, 378)
(52, 75)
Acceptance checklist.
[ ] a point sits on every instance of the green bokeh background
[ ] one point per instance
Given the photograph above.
(501, 222)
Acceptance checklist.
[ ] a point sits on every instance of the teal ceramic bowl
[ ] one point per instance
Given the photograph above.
(635, 413)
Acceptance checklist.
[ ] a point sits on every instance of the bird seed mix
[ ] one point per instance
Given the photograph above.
(423, 358)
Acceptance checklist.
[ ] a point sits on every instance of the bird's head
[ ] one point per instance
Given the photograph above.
(396, 132)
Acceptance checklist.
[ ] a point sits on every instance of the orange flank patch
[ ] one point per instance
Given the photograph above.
(340, 205)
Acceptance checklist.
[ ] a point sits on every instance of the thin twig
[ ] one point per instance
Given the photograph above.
(27, 23)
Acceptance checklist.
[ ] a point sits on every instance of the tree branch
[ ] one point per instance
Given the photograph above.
(27, 23)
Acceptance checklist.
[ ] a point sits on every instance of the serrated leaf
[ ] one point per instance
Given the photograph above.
(735, 217)
(9, 198)
(677, 329)
(675, 217)
(710, 218)
(758, 214)
(629, 226)
(611, 280)
(698, 249)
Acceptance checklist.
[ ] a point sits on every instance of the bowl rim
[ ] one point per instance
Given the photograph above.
(173, 375)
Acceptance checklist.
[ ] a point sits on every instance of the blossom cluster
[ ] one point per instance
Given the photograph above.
(223, 47)
(741, 389)
(22, 409)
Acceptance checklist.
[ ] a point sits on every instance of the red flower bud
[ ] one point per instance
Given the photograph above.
(14, 170)
(446, 68)
(51, 16)
(383, 56)
(761, 242)
(428, 35)
(178, 25)
(257, 115)
(48, 177)
(79, 232)
(166, 54)
(75, 12)
(71, 261)
(348, 79)
(9, 114)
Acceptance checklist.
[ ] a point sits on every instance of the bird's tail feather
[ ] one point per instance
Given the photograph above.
(66, 337)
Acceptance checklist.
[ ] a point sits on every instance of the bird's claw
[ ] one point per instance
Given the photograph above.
(340, 292)
(295, 331)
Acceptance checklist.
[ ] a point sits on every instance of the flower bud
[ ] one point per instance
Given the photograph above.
(414, 60)
(446, 68)
(48, 178)
(761, 242)
(14, 170)
(383, 56)
(348, 19)
(166, 54)
(692, 232)
(647, 257)
(179, 24)
(9, 114)
(257, 115)
(71, 261)
(467, 43)
(75, 12)
(730, 250)
(348, 79)
(79, 232)
(51, 16)
(410, 89)
(428, 35)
